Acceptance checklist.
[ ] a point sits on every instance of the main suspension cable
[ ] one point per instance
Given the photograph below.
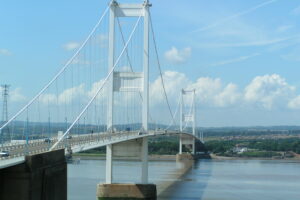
(98, 91)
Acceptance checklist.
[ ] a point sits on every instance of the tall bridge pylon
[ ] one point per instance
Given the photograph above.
(186, 118)
(116, 81)
(191, 115)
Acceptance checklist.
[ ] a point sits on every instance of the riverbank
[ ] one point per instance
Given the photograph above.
(214, 156)
(89, 156)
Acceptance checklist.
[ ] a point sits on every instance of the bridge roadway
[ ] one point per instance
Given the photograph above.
(77, 143)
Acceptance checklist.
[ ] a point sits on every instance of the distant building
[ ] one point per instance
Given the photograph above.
(239, 149)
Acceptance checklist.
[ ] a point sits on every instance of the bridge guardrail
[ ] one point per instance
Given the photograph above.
(80, 141)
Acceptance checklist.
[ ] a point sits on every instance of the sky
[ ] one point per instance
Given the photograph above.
(240, 56)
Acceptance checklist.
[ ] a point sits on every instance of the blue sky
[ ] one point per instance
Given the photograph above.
(241, 56)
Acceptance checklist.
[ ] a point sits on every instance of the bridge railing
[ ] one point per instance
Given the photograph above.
(84, 142)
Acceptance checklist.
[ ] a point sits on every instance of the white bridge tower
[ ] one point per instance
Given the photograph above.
(186, 118)
(118, 10)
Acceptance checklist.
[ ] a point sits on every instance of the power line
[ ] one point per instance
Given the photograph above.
(5, 94)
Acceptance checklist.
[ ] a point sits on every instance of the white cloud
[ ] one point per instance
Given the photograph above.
(174, 82)
(95, 87)
(212, 92)
(209, 91)
(48, 98)
(229, 96)
(68, 95)
(177, 56)
(294, 103)
(268, 90)
(235, 60)
(5, 52)
(16, 95)
(206, 89)
(65, 97)
(71, 46)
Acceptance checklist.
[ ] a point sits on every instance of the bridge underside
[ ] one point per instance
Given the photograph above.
(41, 176)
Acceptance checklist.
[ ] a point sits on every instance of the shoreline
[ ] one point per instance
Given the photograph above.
(173, 158)
(215, 157)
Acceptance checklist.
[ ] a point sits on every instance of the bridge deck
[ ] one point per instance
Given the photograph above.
(77, 143)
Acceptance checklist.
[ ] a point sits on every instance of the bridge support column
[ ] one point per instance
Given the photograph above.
(109, 164)
(180, 145)
(144, 157)
(194, 147)
(190, 143)
(137, 148)
(41, 176)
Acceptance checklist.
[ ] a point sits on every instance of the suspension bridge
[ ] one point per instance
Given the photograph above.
(111, 93)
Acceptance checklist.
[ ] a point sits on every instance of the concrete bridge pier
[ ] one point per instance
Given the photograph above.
(41, 176)
(190, 143)
(137, 148)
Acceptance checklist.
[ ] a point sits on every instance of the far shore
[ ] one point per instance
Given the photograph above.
(88, 156)
(214, 156)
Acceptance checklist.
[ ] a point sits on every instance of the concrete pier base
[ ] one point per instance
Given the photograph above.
(185, 156)
(40, 177)
(126, 191)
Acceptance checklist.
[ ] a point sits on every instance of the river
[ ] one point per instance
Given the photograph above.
(206, 180)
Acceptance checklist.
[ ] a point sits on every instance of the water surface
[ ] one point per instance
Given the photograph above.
(84, 177)
(207, 180)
